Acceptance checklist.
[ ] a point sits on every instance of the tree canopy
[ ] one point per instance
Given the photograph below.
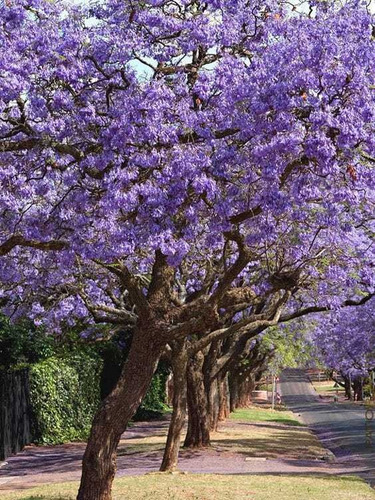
(183, 169)
(248, 141)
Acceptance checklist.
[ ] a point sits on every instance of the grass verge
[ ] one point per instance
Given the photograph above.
(253, 432)
(266, 433)
(207, 487)
(255, 414)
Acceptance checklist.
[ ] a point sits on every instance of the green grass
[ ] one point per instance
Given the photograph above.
(268, 433)
(208, 487)
(265, 415)
(322, 387)
(253, 432)
(265, 387)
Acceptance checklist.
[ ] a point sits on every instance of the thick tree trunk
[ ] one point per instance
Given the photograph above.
(246, 387)
(233, 392)
(358, 389)
(218, 406)
(241, 388)
(179, 367)
(244, 379)
(211, 385)
(348, 388)
(99, 461)
(198, 433)
(224, 410)
(213, 398)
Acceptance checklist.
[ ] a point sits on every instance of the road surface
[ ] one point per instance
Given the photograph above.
(347, 429)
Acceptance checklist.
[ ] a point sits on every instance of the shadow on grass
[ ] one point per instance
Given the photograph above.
(287, 444)
(286, 421)
(44, 497)
(270, 425)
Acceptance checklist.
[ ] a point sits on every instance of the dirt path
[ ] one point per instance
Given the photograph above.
(40, 465)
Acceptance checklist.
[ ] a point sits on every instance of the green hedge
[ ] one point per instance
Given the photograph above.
(154, 403)
(155, 399)
(65, 393)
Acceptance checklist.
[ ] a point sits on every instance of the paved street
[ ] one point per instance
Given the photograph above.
(342, 427)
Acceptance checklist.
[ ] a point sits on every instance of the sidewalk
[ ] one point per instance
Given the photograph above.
(40, 465)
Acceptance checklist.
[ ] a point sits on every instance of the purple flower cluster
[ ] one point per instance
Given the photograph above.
(127, 128)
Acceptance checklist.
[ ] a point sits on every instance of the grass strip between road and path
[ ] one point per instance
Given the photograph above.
(328, 387)
(257, 431)
(265, 414)
(219, 487)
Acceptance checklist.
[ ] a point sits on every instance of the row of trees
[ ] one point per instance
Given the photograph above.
(220, 378)
(192, 172)
(344, 343)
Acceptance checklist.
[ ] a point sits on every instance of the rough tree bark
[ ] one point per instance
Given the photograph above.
(211, 385)
(213, 398)
(224, 409)
(348, 387)
(179, 366)
(111, 420)
(233, 393)
(241, 388)
(217, 397)
(198, 432)
(358, 389)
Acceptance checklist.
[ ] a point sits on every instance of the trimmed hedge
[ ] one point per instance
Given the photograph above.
(69, 377)
(155, 399)
(154, 403)
(64, 394)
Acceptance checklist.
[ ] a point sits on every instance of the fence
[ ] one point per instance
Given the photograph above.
(317, 375)
(15, 414)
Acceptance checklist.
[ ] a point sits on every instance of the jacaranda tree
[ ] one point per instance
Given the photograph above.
(162, 162)
(344, 340)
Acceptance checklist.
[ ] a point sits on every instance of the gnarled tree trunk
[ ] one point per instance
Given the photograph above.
(246, 387)
(211, 385)
(198, 433)
(179, 367)
(217, 396)
(99, 461)
(358, 389)
(233, 392)
(241, 386)
(213, 398)
(224, 409)
(348, 387)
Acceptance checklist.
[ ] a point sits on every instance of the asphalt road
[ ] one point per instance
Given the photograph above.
(344, 428)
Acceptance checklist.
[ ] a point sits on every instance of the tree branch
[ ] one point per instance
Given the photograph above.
(18, 240)
(316, 309)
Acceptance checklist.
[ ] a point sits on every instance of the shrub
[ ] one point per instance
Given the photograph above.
(154, 403)
(22, 343)
(65, 393)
